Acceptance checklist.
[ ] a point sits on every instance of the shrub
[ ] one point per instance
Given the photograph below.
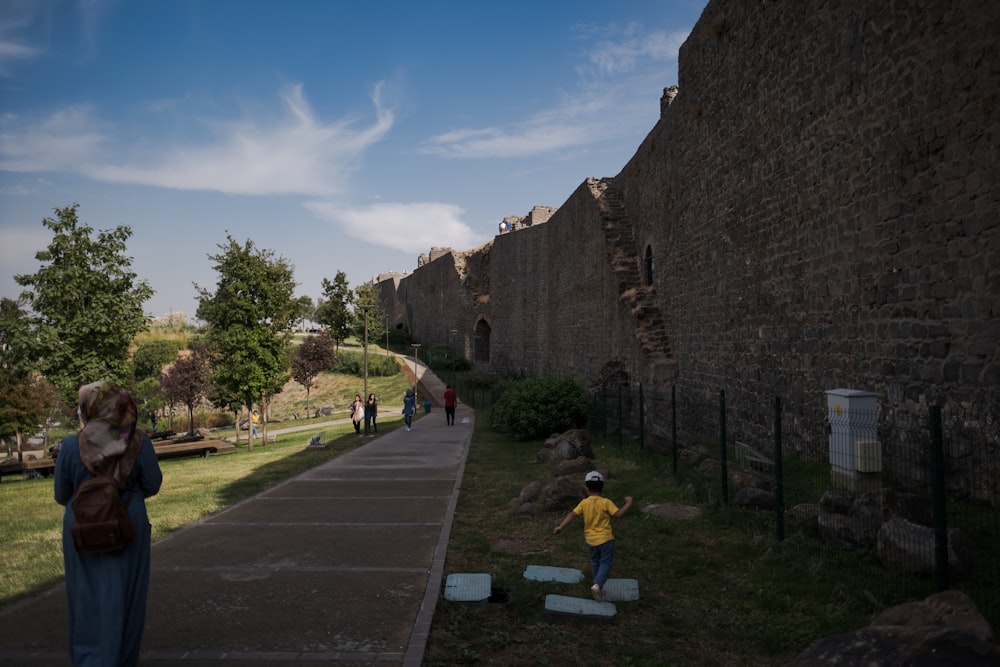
(443, 358)
(537, 407)
(353, 363)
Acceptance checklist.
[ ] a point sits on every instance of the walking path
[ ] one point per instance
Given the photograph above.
(342, 564)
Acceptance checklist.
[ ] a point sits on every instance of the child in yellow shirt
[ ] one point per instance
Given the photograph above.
(597, 512)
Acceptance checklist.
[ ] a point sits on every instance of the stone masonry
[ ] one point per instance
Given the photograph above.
(817, 207)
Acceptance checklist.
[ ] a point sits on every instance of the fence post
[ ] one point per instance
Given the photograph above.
(620, 424)
(673, 422)
(940, 505)
(642, 421)
(779, 478)
(722, 453)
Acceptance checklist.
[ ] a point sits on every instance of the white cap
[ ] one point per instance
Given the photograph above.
(594, 476)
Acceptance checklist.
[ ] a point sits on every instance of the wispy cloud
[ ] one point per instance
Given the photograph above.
(298, 154)
(17, 18)
(617, 91)
(63, 141)
(405, 227)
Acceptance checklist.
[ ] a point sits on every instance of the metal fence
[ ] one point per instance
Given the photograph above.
(911, 496)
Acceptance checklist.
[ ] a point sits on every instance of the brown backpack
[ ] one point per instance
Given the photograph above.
(100, 517)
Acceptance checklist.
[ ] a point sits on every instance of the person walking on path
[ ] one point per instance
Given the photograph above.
(450, 400)
(597, 512)
(254, 420)
(106, 593)
(357, 413)
(409, 407)
(371, 412)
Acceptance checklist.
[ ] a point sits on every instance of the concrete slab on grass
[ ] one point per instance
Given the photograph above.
(560, 575)
(468, 588)
(562, 608)
(621, 590)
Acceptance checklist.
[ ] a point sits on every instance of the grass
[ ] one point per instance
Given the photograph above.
(715, 590)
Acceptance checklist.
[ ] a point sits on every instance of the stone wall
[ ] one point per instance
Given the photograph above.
(816, 208)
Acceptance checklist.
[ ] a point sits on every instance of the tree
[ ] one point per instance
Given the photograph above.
(366, 298)
(248, 322)
(304, 310)
(26, 398)
(334, 310)
(312, 357)
(86, 304)
(150, 358)
(186, 382)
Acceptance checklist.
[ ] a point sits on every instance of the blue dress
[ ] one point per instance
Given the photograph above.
(106, 593)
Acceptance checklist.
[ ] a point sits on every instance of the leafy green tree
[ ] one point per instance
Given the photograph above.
(334, 310)
(150, 358)
(86, 304)
(311, 358)
(305, 309)
(366, 300)
(26, 398)
(186, 382)
(248, 320)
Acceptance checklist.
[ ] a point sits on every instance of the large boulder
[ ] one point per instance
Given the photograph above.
(904, 546)
(577, 466)
(562, 493)
(943, 629)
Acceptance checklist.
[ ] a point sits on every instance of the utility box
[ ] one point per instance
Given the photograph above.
(852, 416)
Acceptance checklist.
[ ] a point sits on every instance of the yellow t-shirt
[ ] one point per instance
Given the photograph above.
(597, 512)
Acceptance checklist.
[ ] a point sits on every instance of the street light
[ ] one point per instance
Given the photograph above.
(387, 335)
(365, 399)
(416, 357)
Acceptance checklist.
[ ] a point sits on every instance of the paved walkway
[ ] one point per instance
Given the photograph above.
(342, 564)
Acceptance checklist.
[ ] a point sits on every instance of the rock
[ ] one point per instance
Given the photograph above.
(755, 499)
(904, 546)
(693, 455)
(836, 501)
(562, 493)
(576, 466)
(847, 532)
(528, 494)
(943, 629)
(803, 515)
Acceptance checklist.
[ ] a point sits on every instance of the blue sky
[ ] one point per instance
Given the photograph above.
(343, 136)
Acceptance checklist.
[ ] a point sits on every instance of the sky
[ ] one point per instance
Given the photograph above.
(340, 135)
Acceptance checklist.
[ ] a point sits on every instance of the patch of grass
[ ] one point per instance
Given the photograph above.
(715, 590)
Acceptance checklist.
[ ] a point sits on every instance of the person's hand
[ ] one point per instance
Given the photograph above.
(628, 500)
(557, 530)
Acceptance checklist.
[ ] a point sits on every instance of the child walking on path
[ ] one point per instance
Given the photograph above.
(597, 512)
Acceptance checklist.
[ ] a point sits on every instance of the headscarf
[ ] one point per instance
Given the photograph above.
(109, 440)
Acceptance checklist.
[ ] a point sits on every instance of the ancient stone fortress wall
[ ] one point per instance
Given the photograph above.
(818, 207)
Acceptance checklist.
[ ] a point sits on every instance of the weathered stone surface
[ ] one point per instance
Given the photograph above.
(775, 253)
(803, 515)
(945, 629)
(905, 546)
(847, 532)
(755, 499)
(562, 493)
(529, 493)
(576, 466)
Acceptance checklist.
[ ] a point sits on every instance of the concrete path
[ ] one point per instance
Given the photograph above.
(342, 564)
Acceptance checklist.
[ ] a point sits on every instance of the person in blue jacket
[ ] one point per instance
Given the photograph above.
(106, 593)
(409, 407)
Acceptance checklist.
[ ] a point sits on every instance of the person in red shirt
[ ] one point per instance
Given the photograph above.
(450, 399)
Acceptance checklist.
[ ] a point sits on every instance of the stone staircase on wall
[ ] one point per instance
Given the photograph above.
(625, 263)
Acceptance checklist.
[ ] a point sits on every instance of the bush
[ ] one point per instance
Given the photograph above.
(443, 358)
(353, 363)
(535, 408)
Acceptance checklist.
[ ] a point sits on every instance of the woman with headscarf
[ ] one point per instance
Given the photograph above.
(106, 593)
(409, 407)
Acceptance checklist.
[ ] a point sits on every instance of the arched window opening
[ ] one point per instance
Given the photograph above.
(482, 342)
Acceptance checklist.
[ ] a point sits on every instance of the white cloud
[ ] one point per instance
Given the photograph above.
(299, 154)
(63, 141)
(405, 227)
(617, 93)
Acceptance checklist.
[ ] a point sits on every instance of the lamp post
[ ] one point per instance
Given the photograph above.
(416, 357)
(387, 335)
(365, 395)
